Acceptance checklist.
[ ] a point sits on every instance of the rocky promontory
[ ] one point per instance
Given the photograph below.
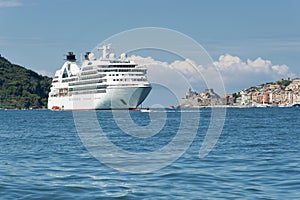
(206, 98)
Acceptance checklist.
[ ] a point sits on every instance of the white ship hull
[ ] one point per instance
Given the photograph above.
(114, 98)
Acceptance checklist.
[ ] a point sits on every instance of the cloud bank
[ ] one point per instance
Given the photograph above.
(236, 73)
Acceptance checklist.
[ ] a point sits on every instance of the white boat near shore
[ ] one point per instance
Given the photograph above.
(147, 110)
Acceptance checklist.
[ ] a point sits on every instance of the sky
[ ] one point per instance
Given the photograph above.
(250, 42)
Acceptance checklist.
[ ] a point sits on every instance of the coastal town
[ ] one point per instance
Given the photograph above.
(282, 93)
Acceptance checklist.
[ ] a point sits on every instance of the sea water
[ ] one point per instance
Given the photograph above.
(257, 156)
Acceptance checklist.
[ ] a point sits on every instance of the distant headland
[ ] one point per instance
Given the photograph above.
(282, 93)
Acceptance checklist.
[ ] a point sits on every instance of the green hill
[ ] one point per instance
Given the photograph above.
(22, 88)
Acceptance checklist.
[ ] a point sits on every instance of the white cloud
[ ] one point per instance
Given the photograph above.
(258, 66)
(179, 75)
(225, 61)
(282, 69)
(10, 3)
(236, 73)
(163, 74)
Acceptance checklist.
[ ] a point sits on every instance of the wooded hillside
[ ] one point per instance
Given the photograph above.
(22, 88)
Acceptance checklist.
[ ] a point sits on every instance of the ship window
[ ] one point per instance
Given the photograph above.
(65, 74)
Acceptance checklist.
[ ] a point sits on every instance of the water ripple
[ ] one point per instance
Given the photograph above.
(256, 157)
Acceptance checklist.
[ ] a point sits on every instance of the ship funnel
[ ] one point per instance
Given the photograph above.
(71, 57)
(89, 56)
(86, 56)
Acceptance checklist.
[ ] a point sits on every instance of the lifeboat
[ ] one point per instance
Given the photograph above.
(55, 108)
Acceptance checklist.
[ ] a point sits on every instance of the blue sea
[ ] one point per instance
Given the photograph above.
(256, 156)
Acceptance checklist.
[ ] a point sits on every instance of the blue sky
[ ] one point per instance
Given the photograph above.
(37, 33)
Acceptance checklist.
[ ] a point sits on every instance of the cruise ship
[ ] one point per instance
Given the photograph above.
(98, 83)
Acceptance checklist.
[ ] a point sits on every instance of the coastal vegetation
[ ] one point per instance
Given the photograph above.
(21, 88)
(283, 83)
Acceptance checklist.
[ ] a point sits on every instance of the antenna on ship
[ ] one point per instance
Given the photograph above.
(105, 51)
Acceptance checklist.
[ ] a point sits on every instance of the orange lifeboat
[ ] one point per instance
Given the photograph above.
(56, 108)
